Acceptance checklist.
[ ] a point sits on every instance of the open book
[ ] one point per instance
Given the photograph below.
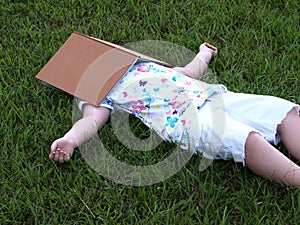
(88, 68)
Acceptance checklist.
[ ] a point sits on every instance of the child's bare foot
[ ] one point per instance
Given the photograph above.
(62, 150)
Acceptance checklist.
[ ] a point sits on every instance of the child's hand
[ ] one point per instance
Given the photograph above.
(61, 150)
(206, 52)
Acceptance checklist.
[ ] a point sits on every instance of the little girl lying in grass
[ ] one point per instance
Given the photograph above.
(171, 102)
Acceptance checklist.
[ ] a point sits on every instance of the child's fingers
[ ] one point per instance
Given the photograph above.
(54, 146)
(51, 156)
(56, 155)
(66, 157)
(59, 156)
(63, 157)
(209, 47)
(53, 153)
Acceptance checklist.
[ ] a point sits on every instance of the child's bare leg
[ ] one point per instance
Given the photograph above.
(199, 64)
(265, 160)
(289, 130)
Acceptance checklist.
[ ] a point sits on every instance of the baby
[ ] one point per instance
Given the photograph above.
(172, 103)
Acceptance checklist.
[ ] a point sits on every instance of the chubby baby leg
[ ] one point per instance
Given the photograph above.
(265, 160)
(289, 131)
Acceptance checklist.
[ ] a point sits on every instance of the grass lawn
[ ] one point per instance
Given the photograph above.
(258, 44)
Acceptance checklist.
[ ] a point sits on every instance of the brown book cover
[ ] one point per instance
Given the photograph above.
(88, 68)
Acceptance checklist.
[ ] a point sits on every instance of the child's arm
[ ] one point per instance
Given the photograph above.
(199, 64)
(92, 120)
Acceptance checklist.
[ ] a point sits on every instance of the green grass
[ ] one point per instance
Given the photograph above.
(258, 44)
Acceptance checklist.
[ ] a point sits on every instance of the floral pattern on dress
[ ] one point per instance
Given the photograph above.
(160, 97)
